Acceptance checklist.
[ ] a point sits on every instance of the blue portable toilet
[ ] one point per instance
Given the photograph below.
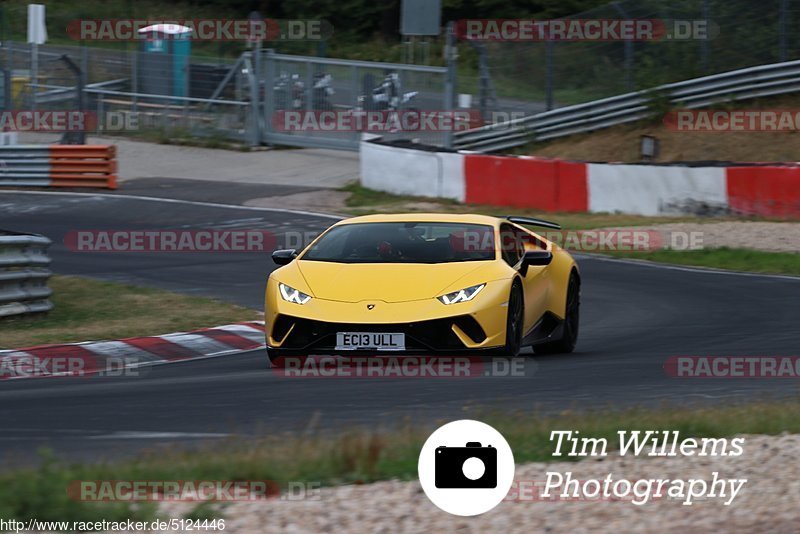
(164, 59)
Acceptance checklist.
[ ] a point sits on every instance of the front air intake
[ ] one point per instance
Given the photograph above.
(470, 326)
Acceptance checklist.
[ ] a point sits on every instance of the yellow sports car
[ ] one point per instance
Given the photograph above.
(424, 283)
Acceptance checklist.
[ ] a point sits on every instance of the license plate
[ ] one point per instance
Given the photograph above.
(370, 341)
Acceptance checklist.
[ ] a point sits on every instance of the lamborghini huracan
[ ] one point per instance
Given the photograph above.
(424, 283)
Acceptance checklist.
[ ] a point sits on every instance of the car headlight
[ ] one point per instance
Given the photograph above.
(291, 294)
(462, 295)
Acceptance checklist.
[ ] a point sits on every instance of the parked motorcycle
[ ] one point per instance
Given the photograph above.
(322, 91)
(289, 92)
(387, 96)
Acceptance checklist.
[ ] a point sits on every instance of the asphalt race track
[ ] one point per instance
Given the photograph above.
(634, 317)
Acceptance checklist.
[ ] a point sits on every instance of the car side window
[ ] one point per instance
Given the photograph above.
(511, 247)
(526, 240)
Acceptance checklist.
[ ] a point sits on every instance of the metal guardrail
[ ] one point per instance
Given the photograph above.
(23, 274)
(752, 82)
(25, 165)
(59, 94)
(233, 119)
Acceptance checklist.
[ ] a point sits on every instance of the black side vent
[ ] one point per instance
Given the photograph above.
(281, 327)
(470, 326)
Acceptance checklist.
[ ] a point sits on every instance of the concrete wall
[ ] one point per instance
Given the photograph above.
(556, 185)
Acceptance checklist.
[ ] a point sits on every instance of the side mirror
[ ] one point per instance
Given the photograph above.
(282, 257)
(537, 257)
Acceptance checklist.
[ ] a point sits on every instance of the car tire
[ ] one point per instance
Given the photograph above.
(569, 332)
(514, 322)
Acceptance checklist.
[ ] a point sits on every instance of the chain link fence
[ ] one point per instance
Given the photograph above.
(132, 92)
(537, 76)
(348, 90)
(242, 99)
(238, 98)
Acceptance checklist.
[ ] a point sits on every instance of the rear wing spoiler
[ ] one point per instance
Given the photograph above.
(530, 221)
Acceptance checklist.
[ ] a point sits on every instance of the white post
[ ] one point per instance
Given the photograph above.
(37, 34)
(34, 73)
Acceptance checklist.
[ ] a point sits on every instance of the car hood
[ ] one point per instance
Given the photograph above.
(355, 282)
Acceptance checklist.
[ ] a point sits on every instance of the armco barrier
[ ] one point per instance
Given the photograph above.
(556, 185)
(59, 166)
(741, 84)
(23, 274)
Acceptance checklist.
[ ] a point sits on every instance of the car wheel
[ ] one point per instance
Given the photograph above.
(514, 322)
(569, 332)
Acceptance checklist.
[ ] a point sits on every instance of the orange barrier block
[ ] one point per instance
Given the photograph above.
(83, 166)
(83, 151)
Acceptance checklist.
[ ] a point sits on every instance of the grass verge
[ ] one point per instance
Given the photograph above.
(359, 456)
(622, 143)
(732, 259)
(365, 201)
(183, 137)
(91, 309)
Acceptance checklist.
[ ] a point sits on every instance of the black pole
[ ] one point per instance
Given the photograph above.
(548, 73)
(76, 138)
(782, 31)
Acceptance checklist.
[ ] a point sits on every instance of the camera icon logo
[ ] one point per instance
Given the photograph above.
(466, 467)
(472, 466)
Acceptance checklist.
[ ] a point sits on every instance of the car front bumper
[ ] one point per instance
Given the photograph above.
(428, 325)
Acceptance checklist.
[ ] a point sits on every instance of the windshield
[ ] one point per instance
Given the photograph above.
(404, 242)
